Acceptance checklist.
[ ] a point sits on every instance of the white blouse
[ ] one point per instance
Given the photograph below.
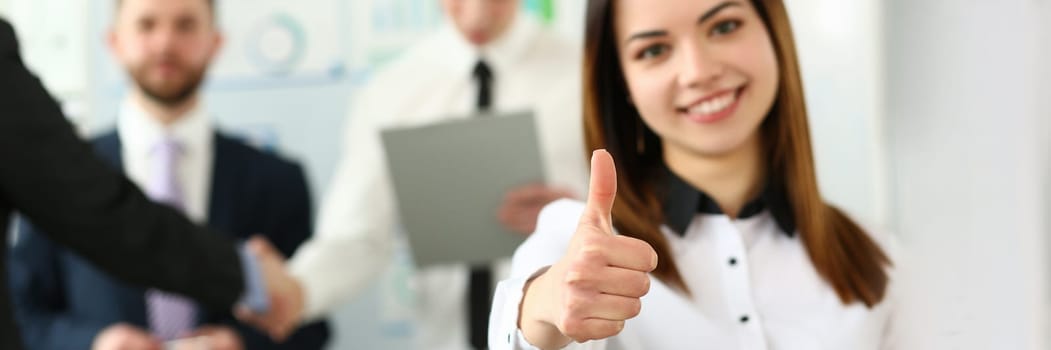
(753, 287)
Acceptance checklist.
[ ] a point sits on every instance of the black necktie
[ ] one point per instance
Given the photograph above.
(481, 280)
(484, 75)
(480, 289)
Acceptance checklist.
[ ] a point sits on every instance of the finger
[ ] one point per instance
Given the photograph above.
(259, 245)
(200, 332)
(273, 322)
(602, 190)
(528, 195)
(562, 193)
(268, 325)
(507, 212)
(224, 341)
(524, 228)
(154, 344)
(504, 216)
(535, 193)
(512, 195)
(631, 253)
(623, 282)
(144, 342)
(279, 335)
(245, 315)
(591, 329)
(282, 326)
(608, 307)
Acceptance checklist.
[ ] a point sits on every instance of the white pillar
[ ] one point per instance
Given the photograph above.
(967, 134)
(840, 49)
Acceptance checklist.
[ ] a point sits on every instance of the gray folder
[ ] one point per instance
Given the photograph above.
(450, 178)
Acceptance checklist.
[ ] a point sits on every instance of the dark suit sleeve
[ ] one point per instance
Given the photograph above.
(290, 219)
(38, 292)
(54, 179)
(288, 225)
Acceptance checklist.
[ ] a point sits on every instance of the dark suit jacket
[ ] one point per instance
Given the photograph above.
(54, 178)
(63, 302)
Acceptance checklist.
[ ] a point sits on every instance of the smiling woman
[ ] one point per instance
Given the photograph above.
(713, 196)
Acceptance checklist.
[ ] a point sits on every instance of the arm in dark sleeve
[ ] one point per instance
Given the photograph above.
(290, 213)
(289, 208)
(54, 178)
(312, 336)
(39, 295)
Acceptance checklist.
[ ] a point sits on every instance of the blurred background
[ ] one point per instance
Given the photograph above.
(930, 119)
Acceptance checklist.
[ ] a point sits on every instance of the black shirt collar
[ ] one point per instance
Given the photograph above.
(682, 201)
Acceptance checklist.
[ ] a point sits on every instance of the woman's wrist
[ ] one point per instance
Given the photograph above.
(534, 322)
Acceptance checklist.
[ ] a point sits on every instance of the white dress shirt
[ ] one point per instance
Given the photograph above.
(752, 287)
(430, 83)
(139, 133)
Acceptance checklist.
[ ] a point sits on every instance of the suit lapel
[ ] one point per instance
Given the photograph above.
(223, 199)
(108, 147)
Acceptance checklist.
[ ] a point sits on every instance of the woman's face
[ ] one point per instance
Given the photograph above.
(702, 73)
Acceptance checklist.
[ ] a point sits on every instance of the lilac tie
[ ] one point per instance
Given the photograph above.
(169, 315)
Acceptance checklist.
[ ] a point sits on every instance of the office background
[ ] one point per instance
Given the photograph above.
(930, 119)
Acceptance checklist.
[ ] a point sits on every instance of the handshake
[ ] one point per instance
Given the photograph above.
(284, 292)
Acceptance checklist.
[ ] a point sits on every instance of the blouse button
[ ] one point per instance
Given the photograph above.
(733, 261)
(744, 319)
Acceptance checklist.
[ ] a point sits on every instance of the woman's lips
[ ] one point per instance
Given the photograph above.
(713, 109)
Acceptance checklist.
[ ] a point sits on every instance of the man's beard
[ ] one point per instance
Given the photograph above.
(190, 77)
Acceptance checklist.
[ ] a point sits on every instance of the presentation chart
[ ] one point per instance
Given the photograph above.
(275, 40)
(380, 30)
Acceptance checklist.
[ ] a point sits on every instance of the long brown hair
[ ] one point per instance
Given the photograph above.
(843, 254)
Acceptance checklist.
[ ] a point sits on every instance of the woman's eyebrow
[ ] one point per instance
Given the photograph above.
(715, 10)
(706, 16)
(646, 34)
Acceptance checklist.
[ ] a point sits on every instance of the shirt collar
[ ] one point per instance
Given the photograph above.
(139, 131)
(682, 201)
(501, 54)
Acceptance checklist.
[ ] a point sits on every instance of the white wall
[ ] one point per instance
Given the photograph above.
(841, 56)
(968, 151)
(52, 34)
(1045, 95)
(54, 39)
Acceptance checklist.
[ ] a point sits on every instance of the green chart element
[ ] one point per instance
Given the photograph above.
(545, 9)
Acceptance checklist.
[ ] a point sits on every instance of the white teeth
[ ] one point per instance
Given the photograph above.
(714, 105)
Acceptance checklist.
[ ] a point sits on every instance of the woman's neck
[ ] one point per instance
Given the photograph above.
(731, 179)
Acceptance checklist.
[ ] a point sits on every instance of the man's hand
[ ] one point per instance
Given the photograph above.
(522, 205)
(598, 283)
(123, 336)
(286, 294)
(219, 338)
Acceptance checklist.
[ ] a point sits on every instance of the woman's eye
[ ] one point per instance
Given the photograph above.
(726, 27)
(652, 51)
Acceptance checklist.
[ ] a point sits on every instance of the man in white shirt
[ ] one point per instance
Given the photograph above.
(490, 56)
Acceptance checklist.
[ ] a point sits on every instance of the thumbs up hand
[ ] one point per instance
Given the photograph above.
(598, 283)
